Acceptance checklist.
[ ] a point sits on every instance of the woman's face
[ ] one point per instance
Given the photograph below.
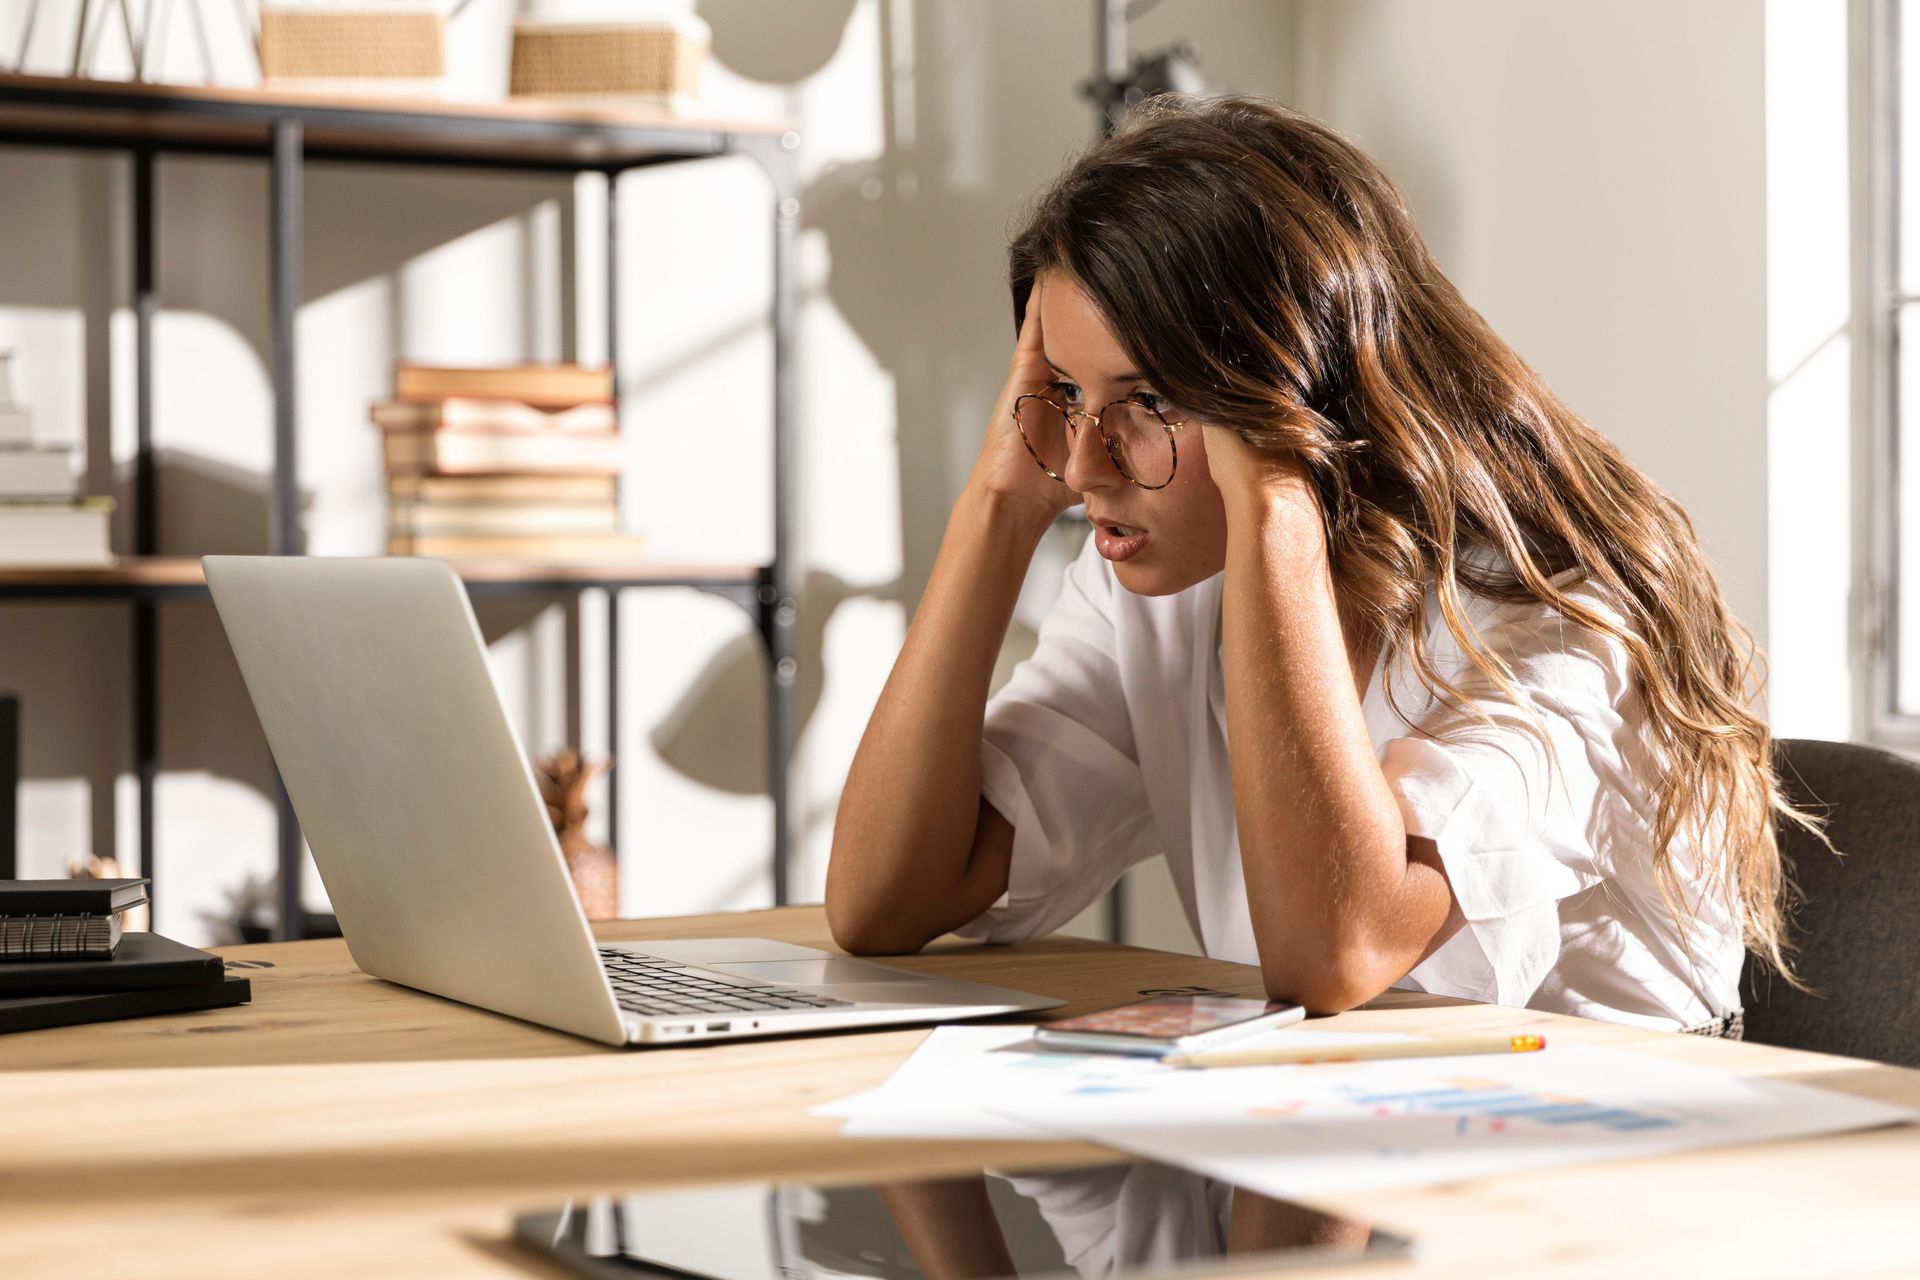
(1159, 540)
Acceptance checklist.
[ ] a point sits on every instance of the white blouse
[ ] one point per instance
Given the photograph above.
(1109, 745)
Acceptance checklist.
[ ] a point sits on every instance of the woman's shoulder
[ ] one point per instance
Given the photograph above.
(1572, 641)
(1493, 595)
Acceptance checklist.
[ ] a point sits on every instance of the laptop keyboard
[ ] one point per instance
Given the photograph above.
(650, 986)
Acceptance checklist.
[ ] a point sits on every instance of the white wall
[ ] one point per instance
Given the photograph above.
(1650, 202)
(1593, 179)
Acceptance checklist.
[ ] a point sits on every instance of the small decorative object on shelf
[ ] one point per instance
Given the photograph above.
(43, 518)
(369, 48)
(508, 462)
(563, 778)
(655, 62)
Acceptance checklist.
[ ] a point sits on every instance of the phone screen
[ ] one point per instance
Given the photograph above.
(1168, 1017)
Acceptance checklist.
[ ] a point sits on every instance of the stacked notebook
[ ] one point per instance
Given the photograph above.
(64, 919)
(514, 461)
(64, 959)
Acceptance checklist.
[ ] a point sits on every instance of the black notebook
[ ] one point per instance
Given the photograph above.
(59, 919)
(71, 897)
(31, 1013)
(142, 961)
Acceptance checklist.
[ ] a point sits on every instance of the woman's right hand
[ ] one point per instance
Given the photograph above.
(1005, 469)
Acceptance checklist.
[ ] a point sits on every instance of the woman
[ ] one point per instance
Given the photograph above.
(1411, 676)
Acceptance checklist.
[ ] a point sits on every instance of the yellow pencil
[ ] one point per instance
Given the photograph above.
(1359, 1052)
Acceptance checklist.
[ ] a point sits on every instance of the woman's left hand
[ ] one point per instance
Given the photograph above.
(1251, 479)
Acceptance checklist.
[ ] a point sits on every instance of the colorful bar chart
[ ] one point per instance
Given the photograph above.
(1495, 1100)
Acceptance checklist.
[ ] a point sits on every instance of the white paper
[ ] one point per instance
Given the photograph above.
(952, 1084)
(1299, 1130)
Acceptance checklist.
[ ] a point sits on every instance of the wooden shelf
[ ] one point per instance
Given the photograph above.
(133, 577)
(127, 571)
(524, 133)
(146, 122)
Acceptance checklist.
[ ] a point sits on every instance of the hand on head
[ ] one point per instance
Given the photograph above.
(1005, 465)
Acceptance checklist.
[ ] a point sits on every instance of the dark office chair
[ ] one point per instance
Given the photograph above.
(1859, 926)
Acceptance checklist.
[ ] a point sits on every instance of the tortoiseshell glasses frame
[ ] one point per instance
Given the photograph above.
(1113, 450)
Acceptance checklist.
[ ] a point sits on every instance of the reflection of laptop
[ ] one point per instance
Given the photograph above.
(371, 681)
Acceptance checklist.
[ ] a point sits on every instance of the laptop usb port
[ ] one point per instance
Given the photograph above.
(719, 1026)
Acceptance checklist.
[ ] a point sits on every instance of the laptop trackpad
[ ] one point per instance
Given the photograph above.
(815, 973)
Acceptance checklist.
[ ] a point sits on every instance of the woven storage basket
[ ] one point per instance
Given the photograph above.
(652, 59)
(333, 44)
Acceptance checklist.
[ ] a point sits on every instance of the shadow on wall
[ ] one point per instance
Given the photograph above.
(776, 43)
(880, 217)
(979, 111)
(879, 224)
(731, 692)
(957, 159)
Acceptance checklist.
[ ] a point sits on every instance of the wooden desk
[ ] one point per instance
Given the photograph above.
(343, 1126)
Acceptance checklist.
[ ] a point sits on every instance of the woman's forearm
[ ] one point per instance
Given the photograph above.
(949, 1226)
(900, 872)
(1340, 910)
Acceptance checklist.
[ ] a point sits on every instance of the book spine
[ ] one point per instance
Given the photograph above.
(544, 386)
(504, 489)
(37, 472)
(604, 549)
(55, 937)
(469, 414)
(452, 453)
(60, 533)
(16, 424)
(497, 519)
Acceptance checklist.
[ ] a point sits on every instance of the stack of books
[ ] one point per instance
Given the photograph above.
(43, 518)
(509, 461)
(64, 959)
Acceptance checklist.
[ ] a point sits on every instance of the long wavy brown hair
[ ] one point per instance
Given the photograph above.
(1266, 274)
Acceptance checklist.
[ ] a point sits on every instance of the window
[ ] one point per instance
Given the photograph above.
(1887, 259)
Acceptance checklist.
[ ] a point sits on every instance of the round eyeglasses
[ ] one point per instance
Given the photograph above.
(1139, 440)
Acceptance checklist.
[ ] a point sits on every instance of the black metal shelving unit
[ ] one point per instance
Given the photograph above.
(289, 133)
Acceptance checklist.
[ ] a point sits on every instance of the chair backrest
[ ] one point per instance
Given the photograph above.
(1859, 926)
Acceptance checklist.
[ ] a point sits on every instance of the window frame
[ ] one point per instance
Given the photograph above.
(1876, 105)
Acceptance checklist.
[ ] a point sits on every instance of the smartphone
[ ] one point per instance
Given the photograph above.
(1166, 1024)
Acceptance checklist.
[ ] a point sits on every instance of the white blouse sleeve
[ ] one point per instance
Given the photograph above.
(1057, 759)
(1520, 830)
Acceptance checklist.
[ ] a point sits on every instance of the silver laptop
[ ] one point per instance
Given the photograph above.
(371, 681)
